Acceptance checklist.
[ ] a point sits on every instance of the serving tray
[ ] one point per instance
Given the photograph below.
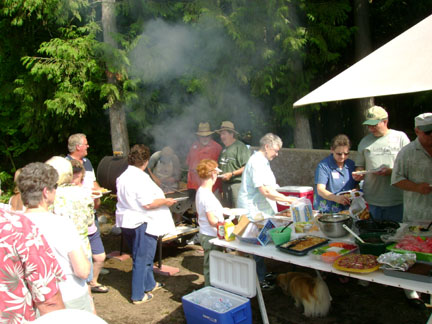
(302, 245)
(420, 271)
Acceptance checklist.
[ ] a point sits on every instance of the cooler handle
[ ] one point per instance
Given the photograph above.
(239, 315)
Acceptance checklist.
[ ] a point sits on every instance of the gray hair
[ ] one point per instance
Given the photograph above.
(271, 140)
(74, 140)
(34, 177)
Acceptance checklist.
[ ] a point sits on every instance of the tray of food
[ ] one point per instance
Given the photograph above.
(420, 245)
(332, 251)
(420, 271)
(357, 263)
(302, 245)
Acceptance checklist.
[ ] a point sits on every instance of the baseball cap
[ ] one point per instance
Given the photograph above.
(374, 115)
(424, 122)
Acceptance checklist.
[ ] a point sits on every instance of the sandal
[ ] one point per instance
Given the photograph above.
(266, 286)
(158, 285)
(99, 289)
(147, 297)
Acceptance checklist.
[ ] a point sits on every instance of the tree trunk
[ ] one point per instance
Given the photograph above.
(302, 134)
(119, 132)
(362, 48)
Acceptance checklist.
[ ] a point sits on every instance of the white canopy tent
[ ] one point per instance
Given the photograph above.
(403, 65)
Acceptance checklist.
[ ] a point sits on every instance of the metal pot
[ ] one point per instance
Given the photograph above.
(331, 224)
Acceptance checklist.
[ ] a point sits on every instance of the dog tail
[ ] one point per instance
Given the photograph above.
(321, 304)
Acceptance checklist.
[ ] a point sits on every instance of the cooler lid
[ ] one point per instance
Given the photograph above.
(294, 189)
(233, 273)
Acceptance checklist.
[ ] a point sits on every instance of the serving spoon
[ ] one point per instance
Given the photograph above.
(353, 234)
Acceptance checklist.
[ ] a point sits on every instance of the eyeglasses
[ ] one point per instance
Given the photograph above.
(342, 153)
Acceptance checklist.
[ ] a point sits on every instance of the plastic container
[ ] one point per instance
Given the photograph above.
(296, 191)
(374, 245)
(227, 303)
(278, 237)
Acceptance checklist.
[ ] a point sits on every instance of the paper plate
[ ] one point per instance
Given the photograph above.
(352, 194)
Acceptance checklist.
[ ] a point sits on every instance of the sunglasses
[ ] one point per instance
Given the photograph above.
(428, 132)
(342, 153)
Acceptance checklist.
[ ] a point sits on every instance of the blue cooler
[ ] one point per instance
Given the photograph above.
(227, 301)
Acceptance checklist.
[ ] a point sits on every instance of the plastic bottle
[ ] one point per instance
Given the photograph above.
(221, 230)
(229, 229)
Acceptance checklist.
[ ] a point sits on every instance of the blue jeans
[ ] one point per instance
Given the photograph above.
(143, 247)
(392, 213)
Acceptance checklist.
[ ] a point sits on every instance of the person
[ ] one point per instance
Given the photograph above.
(258, 192)
(37, 184)
(412, 172)
(73, 201)
(15, 201)
(28, 259)
(142, 212)
(333, 175)
(232, 161)
(204, 148)
(210, 211)
(165, 166)
(78, 146)
(377, 152)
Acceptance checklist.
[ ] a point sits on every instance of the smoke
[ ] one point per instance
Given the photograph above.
(166, 53)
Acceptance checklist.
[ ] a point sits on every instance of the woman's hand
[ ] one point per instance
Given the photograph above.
(342, 199)
(170, 201)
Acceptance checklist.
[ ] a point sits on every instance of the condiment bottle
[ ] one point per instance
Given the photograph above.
(229, 229)
(221, 230)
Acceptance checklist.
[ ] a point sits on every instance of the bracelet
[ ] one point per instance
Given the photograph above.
(232, 174)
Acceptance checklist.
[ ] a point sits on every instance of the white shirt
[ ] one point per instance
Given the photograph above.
(206, 202)
(63, 238)
(136, 189)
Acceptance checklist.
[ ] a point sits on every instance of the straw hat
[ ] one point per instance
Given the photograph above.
(227, 126)
(204, 129)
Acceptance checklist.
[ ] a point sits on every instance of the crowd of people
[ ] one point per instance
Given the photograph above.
(51, 230)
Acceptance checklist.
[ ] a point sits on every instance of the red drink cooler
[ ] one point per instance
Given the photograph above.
(296, 191)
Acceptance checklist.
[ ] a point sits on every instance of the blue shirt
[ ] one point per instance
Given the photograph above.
(336, 180)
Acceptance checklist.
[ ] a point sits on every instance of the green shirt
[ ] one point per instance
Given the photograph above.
(233, 158)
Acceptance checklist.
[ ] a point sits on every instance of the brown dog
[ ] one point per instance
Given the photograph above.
(311, 292)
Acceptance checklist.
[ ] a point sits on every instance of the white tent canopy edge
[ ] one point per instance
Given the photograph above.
(403, 65)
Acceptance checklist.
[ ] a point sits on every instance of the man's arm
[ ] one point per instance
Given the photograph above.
(422, 188)
(51, 304)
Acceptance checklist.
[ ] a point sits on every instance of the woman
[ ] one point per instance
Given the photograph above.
(143, 214)
(333, 175)
(37, 184)
(15, 201)
(209, 209)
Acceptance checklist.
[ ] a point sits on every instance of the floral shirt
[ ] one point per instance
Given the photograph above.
(29, 271)
(75, 202)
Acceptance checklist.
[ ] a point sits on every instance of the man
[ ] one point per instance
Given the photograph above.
(77, 146)
(232, 161)
(165, 169)
(203, 148)
(29, 272)
(413, 172)
(258, 192)
(377, 152)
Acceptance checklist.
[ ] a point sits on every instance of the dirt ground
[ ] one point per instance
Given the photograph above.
(351, 302)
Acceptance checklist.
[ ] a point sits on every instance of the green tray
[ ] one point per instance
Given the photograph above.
(421, 256)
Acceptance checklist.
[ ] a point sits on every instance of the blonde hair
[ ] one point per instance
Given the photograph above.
(16, 175)
(205, 167)
(63, 168)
